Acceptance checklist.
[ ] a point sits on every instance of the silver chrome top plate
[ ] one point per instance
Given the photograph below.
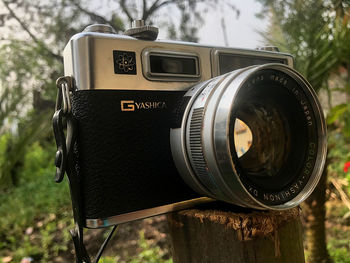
(88, 58)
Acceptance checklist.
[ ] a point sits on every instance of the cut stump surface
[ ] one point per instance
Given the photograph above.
(210, 235)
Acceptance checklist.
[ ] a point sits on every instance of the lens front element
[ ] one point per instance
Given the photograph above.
(243, 137)
(272, 137)
(254, 137)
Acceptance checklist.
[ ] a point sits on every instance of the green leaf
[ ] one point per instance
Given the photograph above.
(336, 112)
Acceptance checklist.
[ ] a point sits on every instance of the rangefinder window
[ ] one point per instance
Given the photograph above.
(229, 62)
(171, 66)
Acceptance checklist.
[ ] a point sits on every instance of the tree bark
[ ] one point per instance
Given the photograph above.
(314, 216)
(207, 235)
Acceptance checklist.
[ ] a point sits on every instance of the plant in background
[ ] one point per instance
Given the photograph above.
(37, 211)
(338, 118)
(149, 253)
(317, 33)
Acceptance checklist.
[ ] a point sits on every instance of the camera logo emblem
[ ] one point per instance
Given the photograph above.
(130, 105)
(127, 105)
(124, 62)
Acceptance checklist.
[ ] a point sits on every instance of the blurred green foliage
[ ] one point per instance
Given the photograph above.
(339, 155)
(149, 253)
(36, 213)
(339, 255)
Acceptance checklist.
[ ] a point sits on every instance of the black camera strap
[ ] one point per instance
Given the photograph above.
(65, 163)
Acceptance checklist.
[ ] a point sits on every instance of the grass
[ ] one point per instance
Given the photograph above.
(149, 253)
(338, 234)
(33, 213)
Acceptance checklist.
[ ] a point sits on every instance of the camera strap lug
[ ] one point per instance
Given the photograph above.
(63, 111)
(65, 163)
(64, 160)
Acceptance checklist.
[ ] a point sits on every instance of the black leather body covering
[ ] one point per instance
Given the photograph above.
(124, 157)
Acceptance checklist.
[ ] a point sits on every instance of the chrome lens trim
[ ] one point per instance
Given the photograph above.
(218, 105)
(178, 145)
(222, 140)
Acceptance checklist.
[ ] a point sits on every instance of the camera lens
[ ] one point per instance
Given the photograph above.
(253, 137)
(279, 133)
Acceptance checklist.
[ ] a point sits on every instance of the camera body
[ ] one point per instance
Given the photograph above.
(129, 96)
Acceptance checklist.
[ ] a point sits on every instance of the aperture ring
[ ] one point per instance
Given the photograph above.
(196, 151)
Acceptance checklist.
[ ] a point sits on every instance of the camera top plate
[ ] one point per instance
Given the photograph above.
(96, 60)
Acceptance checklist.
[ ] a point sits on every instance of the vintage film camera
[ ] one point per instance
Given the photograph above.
(164, 125)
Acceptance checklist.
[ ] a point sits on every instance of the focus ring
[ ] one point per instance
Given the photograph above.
(198, 161)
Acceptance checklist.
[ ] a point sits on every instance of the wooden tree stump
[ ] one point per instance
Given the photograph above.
(209, 235)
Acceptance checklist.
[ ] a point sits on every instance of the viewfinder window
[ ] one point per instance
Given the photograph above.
(173, 65)
(170, 66)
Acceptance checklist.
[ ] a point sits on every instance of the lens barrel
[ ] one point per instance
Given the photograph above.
(287, 150)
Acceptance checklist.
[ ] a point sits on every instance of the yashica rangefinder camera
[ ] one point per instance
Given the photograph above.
(164, 125)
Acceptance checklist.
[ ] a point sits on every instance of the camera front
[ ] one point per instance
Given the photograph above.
(161, 126)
